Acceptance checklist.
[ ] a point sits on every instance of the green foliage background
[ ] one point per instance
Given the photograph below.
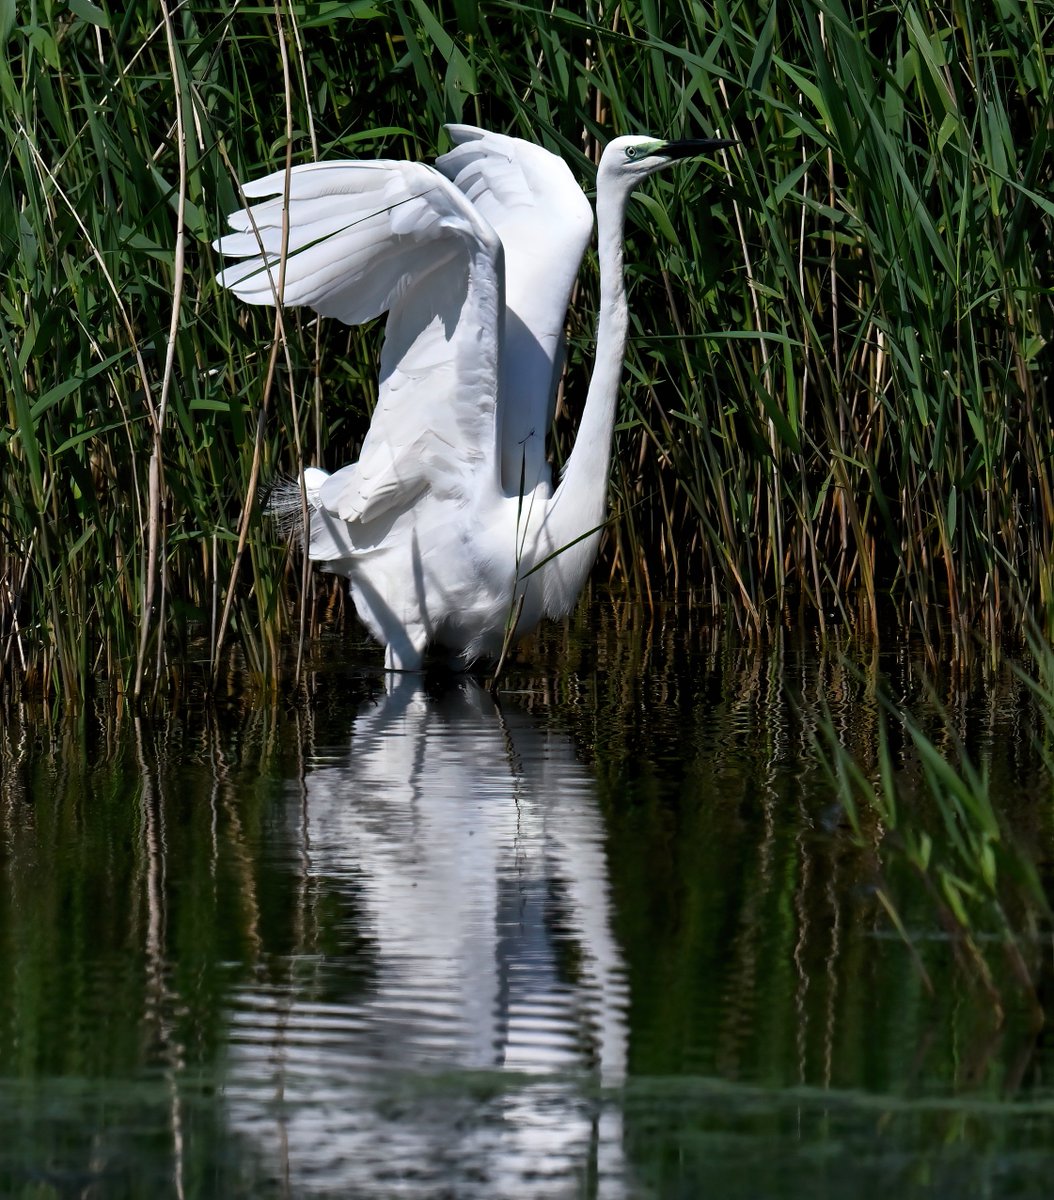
(838, 381)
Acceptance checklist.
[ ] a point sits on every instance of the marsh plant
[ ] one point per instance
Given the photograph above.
(838, 374)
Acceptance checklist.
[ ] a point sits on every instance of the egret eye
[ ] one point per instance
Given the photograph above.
(631, 151)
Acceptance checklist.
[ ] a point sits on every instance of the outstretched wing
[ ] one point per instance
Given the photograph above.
(370, 237)
(532, 201)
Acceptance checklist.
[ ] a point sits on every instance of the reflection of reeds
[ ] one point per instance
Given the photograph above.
(155, 868)
(937, 814)
(840, 362)
(772, 869)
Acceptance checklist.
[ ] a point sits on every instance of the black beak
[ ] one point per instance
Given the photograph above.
(694, 147)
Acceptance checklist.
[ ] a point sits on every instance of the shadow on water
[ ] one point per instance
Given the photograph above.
(608, 936)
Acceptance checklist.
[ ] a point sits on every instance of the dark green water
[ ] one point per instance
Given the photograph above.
(610, 936)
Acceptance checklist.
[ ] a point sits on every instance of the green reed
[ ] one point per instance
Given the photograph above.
(837, 383)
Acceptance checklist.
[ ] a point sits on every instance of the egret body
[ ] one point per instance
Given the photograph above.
(448, 525)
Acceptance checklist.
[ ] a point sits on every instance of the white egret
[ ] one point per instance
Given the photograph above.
(448, 525)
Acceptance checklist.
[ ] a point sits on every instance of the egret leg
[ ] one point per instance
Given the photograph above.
(408, 653)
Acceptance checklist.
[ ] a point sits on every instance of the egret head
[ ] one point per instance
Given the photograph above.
(630, 159)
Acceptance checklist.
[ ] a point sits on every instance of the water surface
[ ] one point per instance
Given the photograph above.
(606, 935)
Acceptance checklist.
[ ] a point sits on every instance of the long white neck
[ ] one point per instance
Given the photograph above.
(579, 504)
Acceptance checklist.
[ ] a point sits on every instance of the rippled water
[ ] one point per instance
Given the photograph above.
(605, 936)
(462, 853)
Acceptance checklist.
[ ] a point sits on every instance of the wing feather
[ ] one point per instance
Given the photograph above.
(537, 209)
(395, 237)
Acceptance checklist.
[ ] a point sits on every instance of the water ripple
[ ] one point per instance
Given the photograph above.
(464, 848)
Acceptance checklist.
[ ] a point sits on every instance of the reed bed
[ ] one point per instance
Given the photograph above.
(837, 406)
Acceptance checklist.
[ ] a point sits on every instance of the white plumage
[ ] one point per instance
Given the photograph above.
(448, 525)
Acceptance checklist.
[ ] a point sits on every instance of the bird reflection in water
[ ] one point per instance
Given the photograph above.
(473, 1027)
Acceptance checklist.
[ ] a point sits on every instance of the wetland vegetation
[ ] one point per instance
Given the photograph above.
(794, 907)
(837, 404)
